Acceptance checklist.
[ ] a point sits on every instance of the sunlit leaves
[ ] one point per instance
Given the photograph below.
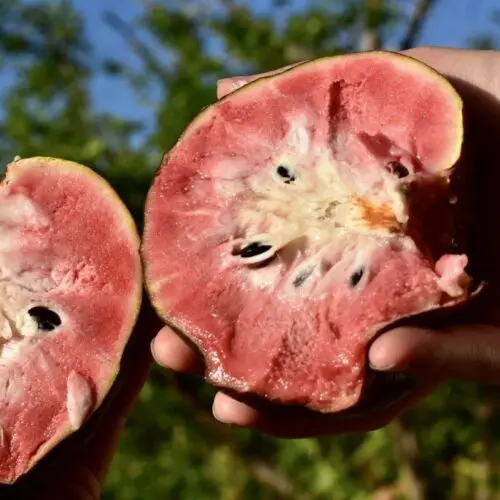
(173, 448)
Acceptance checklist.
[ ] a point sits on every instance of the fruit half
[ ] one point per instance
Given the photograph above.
(302, 213)
(70, 280)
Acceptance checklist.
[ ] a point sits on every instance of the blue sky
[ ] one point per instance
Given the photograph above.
(452, 23)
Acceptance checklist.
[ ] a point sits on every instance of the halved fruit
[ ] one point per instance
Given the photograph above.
(70, 285)
(299, 215)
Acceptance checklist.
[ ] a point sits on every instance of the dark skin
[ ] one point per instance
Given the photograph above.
(468, 348)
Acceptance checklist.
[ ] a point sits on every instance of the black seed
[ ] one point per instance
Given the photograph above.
(286, 174)
(46, 319)
(253, 249)
(301, 277)
(356, 277)
(398, 169)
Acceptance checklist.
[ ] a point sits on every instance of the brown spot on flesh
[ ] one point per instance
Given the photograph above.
(329, 212)
(378, 216)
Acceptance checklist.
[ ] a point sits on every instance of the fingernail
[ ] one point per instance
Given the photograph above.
(382, 367)
(222, 418)
(378, 360)
(152, 348)
(229, 411)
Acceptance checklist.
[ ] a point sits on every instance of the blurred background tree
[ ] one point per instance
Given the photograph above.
(118, 108)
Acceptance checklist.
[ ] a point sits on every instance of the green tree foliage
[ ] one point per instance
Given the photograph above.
(47, 107)
(448, 447)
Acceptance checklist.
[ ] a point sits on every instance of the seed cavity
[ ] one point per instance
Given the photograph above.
(46, 319)
(285, 174)
(302, 276)
(254, 249)
(356, 277)
(398, 169)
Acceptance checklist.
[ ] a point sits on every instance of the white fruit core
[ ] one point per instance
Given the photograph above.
(322, 205)
(309, 207)
(19, 285)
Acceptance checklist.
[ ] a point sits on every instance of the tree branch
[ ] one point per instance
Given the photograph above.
(416, 23)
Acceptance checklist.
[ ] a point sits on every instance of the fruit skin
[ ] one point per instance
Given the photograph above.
(188, 312)
(73, 373)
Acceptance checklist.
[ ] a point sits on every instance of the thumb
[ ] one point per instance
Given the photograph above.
(467, 352)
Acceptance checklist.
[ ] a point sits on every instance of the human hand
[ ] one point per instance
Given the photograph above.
(76, 468)
(469, 351)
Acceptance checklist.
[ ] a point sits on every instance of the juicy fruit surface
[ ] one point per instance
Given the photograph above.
(70, 287)
(278, 232)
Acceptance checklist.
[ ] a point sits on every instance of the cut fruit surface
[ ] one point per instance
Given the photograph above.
(70, 290)
(291, 222)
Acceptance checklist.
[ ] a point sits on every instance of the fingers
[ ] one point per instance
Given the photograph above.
(172, 351)
(469, 353)
(293, 423)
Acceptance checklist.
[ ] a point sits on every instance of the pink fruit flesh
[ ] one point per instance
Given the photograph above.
(68, 246)
(276, 232)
